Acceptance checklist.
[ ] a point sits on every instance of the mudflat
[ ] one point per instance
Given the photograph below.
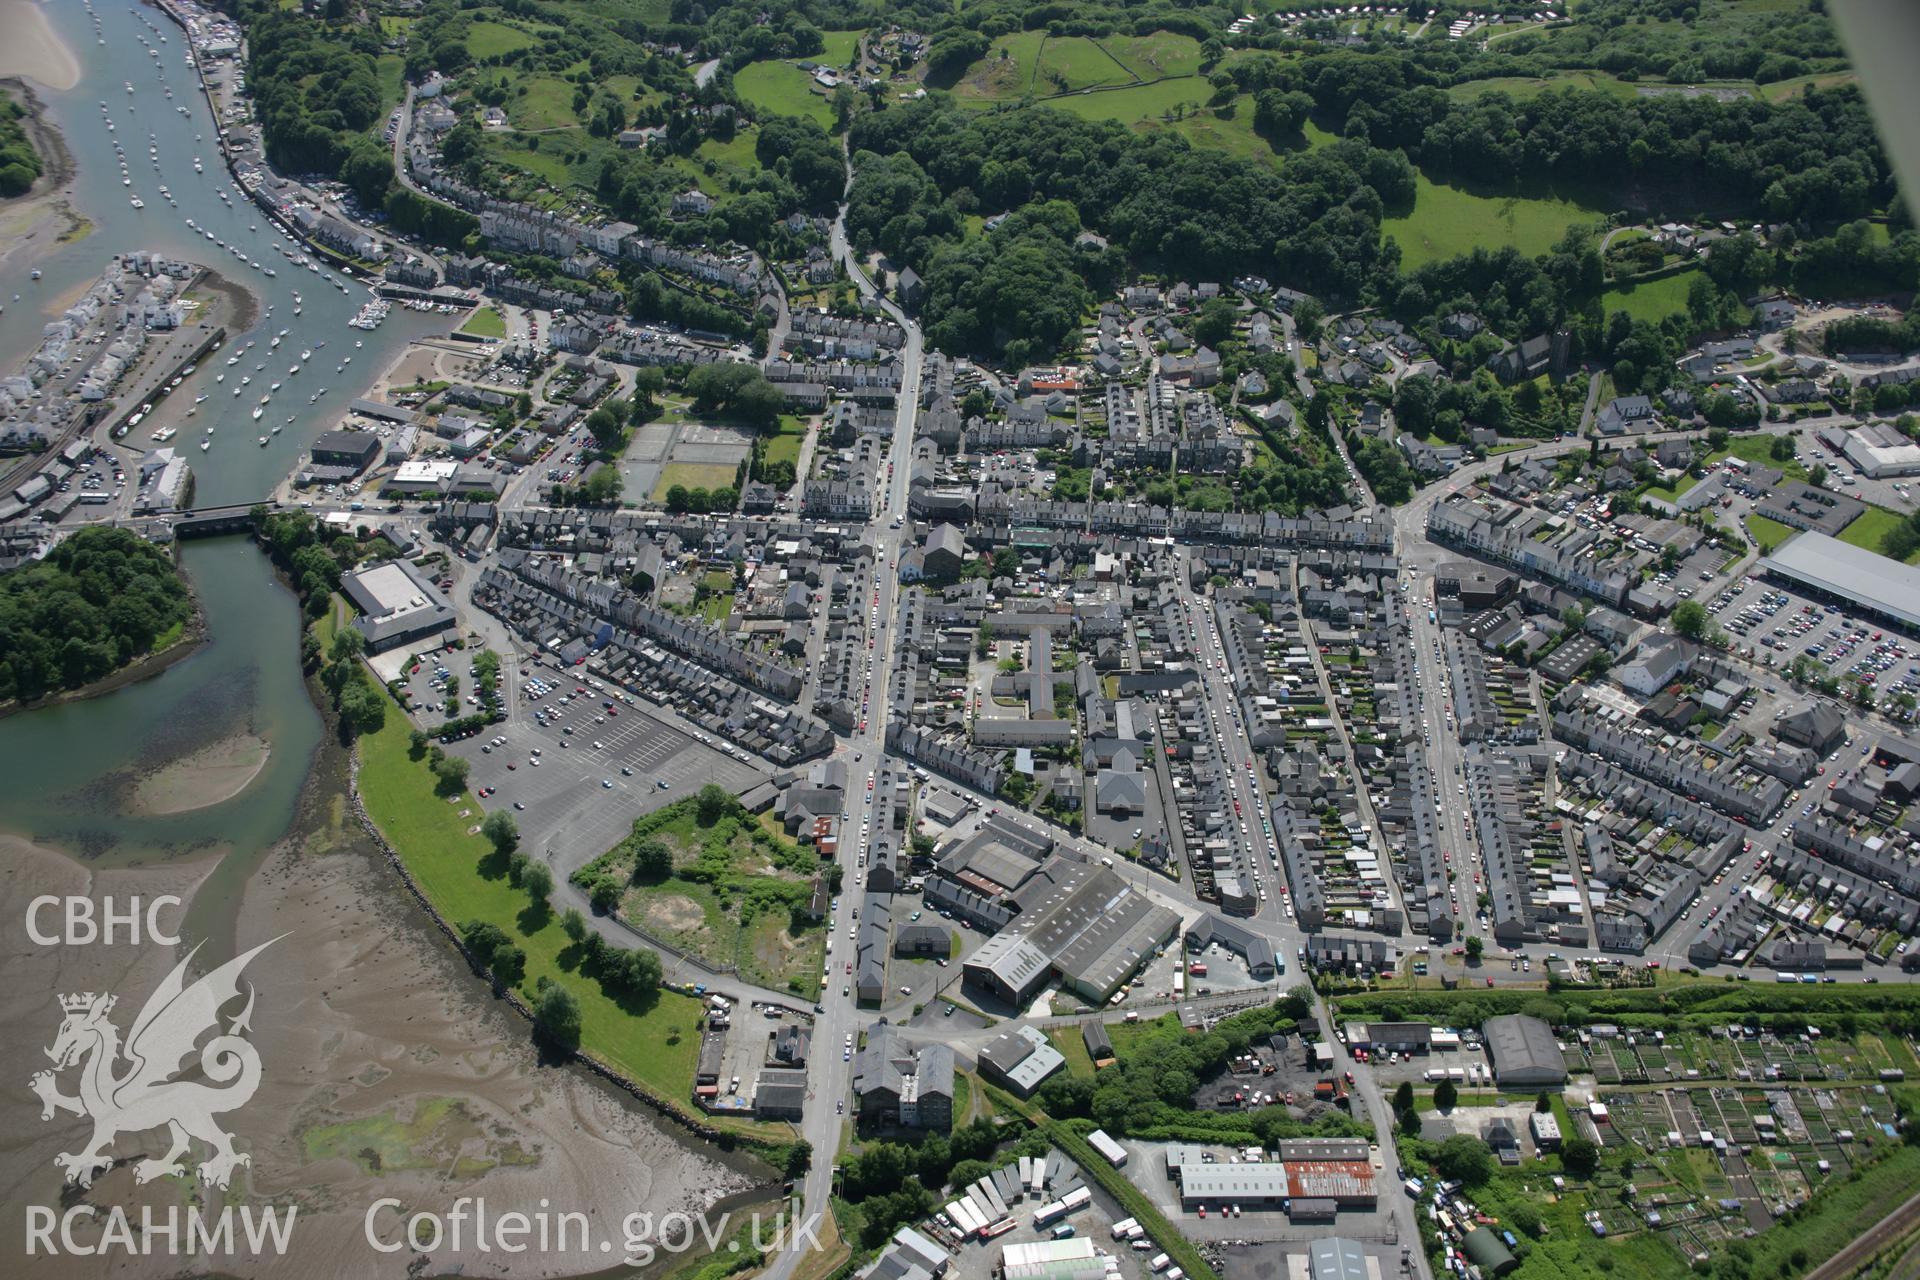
(387, 1071)
(212, 775)
(33, 48)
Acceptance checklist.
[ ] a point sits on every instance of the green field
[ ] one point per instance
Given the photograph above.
(1006, 71)
(785, 447)
(1781, 90)
(654, 1042)
(1446, 221)
(1140, 105)
(693, 475)
(490, 39)
(1651, 300)
(1872, 525)
(391, 70)
(1152, 57)
(1030, 62)
(1522, 88)
(733, 158)
(547, 103)
(839, 46)
(784, 89)
(485, 322)
(1076, 62)
(549, 166)
(1767, 534)
(1229, 129)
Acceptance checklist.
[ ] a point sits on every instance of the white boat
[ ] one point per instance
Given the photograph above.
(205, 445)
(257, 411)
(276, 430)
(308, 354)
(202, 396)
(274, 387)
(292, 369)
(245, 379)
(220, 377)
(163, 435)
(263, 442)
(138, 203)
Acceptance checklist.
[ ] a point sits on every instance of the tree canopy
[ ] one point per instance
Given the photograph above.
(99, 600)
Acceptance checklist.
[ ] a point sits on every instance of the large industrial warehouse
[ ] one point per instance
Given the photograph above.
(1830, 569)
(1524, 1052)
(1079, 923)
(1334, 1171)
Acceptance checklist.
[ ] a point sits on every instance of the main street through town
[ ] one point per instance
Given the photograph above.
(838, 1021)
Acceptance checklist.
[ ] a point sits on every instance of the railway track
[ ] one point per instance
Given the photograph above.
(1882, 1234)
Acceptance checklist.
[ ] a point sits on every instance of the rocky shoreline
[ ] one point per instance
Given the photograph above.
(57, 166)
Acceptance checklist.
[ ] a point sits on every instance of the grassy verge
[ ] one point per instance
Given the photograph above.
(962, 1098)
(1767, 534)
(1073, 1048)
(169, 638)
(653, 1043)
(832, 1254)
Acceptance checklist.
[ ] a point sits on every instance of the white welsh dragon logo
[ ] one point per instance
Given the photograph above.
(145, 1094)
